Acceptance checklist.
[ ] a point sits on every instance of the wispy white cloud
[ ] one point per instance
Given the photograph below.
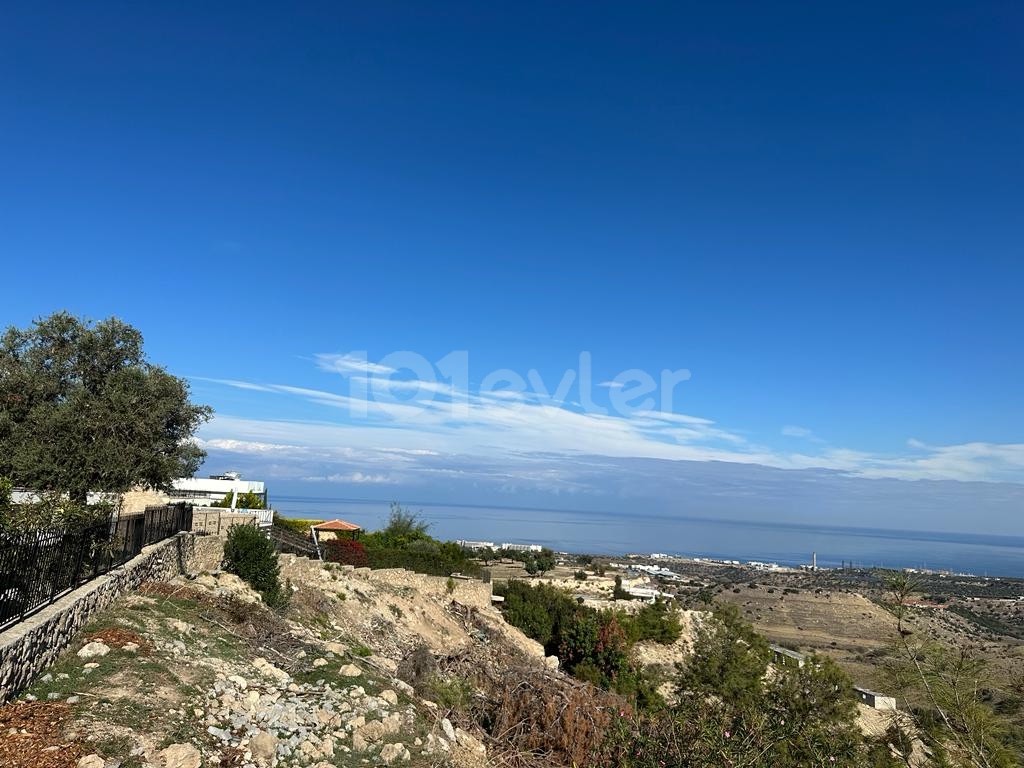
(351, 364)
(356, 478)
(442, 422)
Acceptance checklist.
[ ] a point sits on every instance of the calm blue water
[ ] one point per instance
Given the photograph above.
(612, 533)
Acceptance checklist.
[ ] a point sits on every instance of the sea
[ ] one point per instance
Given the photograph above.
(615, 533)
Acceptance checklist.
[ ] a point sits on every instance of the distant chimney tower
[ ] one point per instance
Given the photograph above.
(814, 561)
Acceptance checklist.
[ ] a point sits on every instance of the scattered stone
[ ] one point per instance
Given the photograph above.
(240, 682)
(389, 696)
(321, 662)
(264, 747)
(180, 756)
(469, 742)
(91, 761)
(350, 670)
(375, 730)
(448, 728)
(92, 650)
(130, 647)
(393, 753)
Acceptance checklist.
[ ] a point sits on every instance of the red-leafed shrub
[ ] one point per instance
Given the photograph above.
(347, 552)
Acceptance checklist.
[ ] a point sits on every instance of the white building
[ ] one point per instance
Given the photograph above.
(522, 547)
(644, 594)
(875, 700)
(475, 544)
(213, 489)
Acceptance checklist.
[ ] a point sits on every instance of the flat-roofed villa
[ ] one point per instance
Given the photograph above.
(874, 699)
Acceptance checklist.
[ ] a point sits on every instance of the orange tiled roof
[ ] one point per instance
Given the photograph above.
(337, 525)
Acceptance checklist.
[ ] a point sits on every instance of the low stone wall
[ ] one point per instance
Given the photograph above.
(34, 644)
(467, 591)
(472, 592)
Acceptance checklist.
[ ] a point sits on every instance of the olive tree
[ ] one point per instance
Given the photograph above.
(82, 409)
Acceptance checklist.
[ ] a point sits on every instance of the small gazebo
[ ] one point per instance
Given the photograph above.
(334, 529)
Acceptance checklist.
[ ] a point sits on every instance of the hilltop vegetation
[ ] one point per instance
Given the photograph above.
(405, 542)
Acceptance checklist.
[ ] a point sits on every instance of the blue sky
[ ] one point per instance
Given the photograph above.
(815, 210)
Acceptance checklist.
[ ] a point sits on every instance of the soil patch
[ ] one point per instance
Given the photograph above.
(32, 736)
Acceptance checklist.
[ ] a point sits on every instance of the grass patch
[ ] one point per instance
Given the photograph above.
(452, 693)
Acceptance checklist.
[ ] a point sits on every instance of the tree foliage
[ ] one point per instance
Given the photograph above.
(405, 542)
(404, 527)
(592, 645)
(729, 713)
(951, 687)
(729, 659)
(247, 500)
(82, 409)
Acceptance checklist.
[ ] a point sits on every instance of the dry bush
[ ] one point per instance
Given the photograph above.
(176, 591)
(534, 716)
(417, 668)
(265, 632)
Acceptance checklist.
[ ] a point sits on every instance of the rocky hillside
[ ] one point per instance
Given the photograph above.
(198, 673)
(362, 668)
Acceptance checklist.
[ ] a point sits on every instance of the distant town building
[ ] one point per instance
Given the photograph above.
(475, 544)
(875, 700)
(522, 547)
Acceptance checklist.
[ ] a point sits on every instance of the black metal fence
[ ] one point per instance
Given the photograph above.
(37, 567)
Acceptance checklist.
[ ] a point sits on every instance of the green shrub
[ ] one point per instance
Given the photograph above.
(453, 693)
(729, 713)
(729, 659)
(251, 556)
(655, 621)
(591, 645)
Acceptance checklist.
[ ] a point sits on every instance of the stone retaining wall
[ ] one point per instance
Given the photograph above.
(467, 591)
(35, 643)
(472, 592)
